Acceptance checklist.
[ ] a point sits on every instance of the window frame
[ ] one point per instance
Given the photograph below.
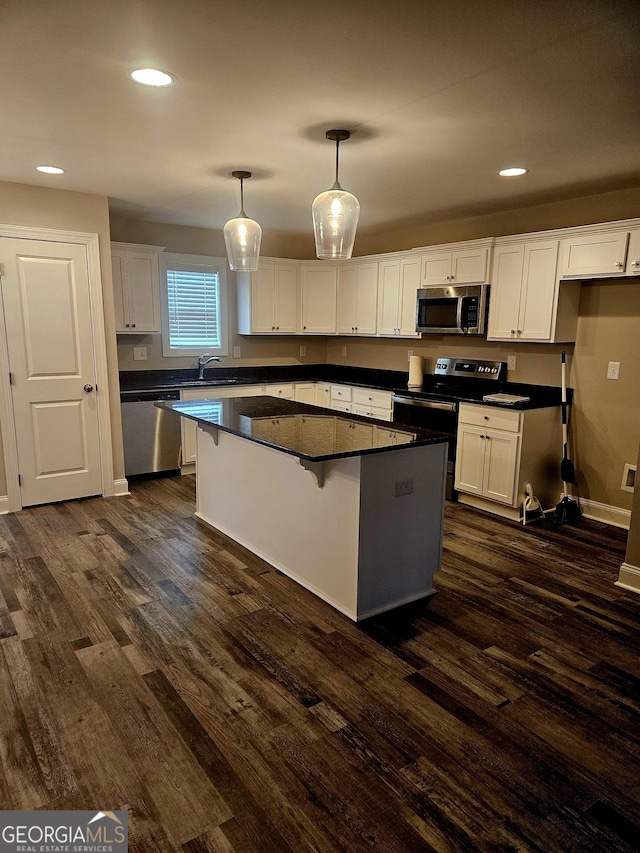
(176, 260)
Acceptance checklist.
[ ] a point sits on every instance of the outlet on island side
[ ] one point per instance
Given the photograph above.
(404, 487)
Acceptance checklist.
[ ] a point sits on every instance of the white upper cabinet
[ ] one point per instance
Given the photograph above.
(527, 303)
(458, 263)
(136, 291)
(633, 255)
(268, 299)
(398, 282)
(319, 289)
(357, 299)
(594, 255)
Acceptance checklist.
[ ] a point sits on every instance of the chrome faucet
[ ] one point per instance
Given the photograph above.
(203, 361)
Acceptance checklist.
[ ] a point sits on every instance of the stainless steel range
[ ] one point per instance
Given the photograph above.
(435, 406)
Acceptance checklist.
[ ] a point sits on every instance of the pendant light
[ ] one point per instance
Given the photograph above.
(335, 214)
(242, 235)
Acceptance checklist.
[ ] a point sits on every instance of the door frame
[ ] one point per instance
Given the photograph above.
(7, 419)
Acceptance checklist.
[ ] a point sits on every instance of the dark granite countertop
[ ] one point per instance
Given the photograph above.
(312, 433)
(132, 381)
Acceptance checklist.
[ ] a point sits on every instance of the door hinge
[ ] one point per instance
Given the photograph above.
(19, 480)
(10, 378)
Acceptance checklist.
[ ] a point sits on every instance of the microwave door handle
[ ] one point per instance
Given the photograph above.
(459, 314)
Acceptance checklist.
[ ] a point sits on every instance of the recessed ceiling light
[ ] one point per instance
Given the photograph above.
(50, 170)
(513, 173)
(152, 77)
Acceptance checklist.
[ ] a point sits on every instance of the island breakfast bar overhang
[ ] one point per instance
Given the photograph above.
(350, 508)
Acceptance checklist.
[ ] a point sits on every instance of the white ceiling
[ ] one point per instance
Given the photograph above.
(439, 95)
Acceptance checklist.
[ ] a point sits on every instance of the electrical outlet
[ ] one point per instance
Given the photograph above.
(344, 351)
(303, 352)
(139, 353)
(628, 477)
(613, 371)
(237, 352)
(404, 487)
(511, 362)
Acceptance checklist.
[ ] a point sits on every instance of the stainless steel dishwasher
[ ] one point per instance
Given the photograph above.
(150, 435)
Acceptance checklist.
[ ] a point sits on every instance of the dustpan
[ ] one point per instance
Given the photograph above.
(531, 509)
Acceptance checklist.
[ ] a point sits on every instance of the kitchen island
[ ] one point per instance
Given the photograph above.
(350, 508)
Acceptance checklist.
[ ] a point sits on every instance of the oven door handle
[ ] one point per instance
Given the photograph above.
(426, 404)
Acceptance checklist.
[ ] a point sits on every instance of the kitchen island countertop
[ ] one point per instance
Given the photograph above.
(309, 432)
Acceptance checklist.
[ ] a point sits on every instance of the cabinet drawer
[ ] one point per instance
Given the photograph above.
(373, 399)
(284, 391)
(490, 416)
(339, 406)
(341, 393)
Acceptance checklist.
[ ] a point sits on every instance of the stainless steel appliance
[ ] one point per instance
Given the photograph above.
(436, 405)
(150, 435)
(453, 310)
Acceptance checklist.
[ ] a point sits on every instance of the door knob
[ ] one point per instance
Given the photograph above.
(88, 388)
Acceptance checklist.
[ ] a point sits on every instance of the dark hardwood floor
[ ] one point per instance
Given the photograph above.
(148, 663)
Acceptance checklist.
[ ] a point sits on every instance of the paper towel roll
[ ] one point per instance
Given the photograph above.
(416, 371)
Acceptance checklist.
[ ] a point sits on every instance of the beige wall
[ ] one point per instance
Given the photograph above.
(42, 207)
(605, 207)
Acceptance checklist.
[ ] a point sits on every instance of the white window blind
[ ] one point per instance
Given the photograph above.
(193, 307)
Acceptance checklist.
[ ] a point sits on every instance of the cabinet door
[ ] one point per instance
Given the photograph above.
(506, 285)
(470, 459)
(409, 284)
(538, 298)
(389, 297)
(319, 296)
(597, 254)
(367, 299)
(469, 265)
(322, 395)
(262, 299)
(633, 257)
(436, 268)
(347, 300)
(304, 392)
(143, 289)
(500, 461)
(121, 306)
(286, 299)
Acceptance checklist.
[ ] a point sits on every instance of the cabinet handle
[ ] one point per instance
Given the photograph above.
(133, 325)
(619, 264)
(488, 437)
(304, 327)
(519, 331)
(481, 436)
(635, 263)
(277, 328)
(452, 278)
(126, 325)
(513, 331)
(486, 417)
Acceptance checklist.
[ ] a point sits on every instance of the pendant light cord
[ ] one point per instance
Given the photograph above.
(242, 213)
(337, 183)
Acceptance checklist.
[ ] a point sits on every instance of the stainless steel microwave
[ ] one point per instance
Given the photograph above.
(453, 310)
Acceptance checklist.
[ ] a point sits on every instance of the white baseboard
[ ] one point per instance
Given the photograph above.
(121, 488)
(629, 578)
(4, 504)
(607, 514)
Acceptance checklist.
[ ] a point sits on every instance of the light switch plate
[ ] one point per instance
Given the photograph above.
(237, 352)
(511, 362)
(303, 351)
(139, 353)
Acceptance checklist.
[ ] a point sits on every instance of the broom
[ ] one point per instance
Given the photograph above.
(567, 511)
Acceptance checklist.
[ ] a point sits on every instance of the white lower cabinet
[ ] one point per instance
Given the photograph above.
(322, 394)
(499, 451)
(304, 392)
(371, 403)
(285, 391)
(188, 456)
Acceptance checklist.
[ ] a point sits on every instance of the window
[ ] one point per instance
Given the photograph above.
(194, 305)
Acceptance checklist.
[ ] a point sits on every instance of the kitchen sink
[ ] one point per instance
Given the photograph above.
(211, 382)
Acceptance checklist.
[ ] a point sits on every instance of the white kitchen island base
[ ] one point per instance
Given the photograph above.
(353, 542)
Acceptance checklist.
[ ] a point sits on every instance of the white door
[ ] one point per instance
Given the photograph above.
(409, 284)
(388, 297)
(286, 299)
(506, 286)
(500, 461)
(347, 300)
(47, 312)
(367, 299)
(539, 284)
